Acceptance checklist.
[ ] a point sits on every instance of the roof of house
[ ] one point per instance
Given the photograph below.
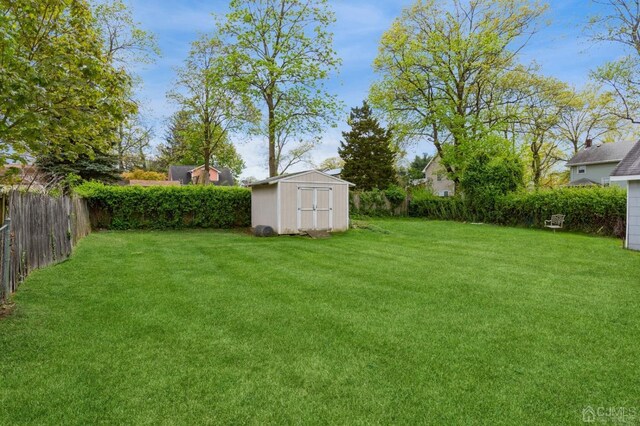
(583, 182)
(183, 174)
(602, 153)
(630, 165)
(225, 177)
(333, 172)
(429, 163)
(276, 179)
(180, 173)
(200, 167)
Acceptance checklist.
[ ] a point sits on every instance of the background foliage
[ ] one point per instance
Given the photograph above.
(593, 210)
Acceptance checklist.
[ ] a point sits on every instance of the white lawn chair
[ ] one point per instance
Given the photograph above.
(556, 222)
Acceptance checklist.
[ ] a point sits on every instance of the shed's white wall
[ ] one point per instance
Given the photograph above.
(264, 206)
(633, 215)
(596, 173)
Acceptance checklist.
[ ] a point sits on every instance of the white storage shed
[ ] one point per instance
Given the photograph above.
(299, 202)
(629, 171)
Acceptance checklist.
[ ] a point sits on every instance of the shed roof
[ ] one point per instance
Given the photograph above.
(630, 165)
(276, 179)
(602, 153)
(180, 173)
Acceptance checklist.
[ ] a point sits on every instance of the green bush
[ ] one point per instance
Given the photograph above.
(395, 195)
(486, 179)
(430, 206)
(593, 210)
(369, 203)
(377, 203)
(173, 207)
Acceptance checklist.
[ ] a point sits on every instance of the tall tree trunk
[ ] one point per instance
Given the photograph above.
(273, 166)
(535, 167)
(120, 148)
(207, 160)
(207, 151)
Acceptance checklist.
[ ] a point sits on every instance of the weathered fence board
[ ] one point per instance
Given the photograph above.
(377, 206)
(44, 230)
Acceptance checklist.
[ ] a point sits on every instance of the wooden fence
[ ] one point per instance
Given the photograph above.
(43, 231)
(370, 204)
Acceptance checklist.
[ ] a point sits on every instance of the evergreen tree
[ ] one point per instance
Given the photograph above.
(367, 153)
(175, 150)
(100, 166)
(417, 166)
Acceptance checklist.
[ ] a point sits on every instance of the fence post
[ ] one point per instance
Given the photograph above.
(6, 259)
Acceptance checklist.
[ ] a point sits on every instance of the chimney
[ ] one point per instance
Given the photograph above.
(588, 143)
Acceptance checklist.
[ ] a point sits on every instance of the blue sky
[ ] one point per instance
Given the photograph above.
(561, 48)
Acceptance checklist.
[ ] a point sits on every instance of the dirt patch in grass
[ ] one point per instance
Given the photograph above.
(6, 309)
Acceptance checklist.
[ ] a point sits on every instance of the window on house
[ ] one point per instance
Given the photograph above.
(582, 170)
(445, 193)
(439, 177)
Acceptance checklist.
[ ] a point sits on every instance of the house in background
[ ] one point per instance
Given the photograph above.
(595, 164)
(627, 173)
(187, 175)
(333, 172)
(23, 176)
(436, 178)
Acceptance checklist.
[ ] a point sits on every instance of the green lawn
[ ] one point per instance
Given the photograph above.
(428, 322)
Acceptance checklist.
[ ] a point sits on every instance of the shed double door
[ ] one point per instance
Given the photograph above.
(315, 208)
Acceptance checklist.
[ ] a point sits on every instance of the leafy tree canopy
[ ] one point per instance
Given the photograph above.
(60, 96)
(282, 54)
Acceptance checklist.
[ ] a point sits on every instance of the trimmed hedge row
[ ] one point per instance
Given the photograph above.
(594, 210)
(172, 207)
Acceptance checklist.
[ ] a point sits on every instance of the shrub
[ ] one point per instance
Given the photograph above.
(139, 174)
(369, 203)
(378, 203)
(592, 210)
(395, 195)
(486, 179)
(430, 206)
(135, 207)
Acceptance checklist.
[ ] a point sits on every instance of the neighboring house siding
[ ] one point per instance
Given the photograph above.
(197, 175)
(633, 215)
(598, 173)
(438, 186)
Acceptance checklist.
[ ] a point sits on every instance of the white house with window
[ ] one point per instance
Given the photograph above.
(595, 164)
(628, 173)
(436, 178)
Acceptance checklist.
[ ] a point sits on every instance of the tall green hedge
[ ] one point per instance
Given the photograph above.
(172, 207)
(594, 210)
